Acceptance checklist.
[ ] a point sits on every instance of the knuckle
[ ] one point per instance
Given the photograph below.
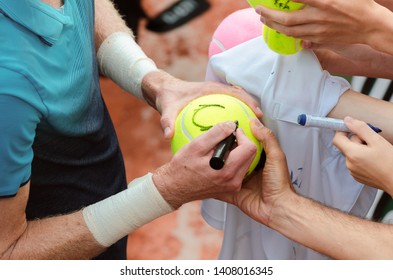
(287, 21)
(252, 149)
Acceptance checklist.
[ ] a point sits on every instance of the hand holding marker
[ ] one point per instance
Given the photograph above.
(222, 150)
(335, 124)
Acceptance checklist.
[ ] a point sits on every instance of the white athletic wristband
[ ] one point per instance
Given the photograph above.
(115, 217)
(122, 59)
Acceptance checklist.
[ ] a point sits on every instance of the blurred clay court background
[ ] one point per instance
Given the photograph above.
(183, 53)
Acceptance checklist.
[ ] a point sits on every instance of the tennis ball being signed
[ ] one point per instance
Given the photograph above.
(284, 5)
(277, 41)
(204, 112)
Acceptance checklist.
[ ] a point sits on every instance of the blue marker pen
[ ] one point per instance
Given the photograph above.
(335, 124)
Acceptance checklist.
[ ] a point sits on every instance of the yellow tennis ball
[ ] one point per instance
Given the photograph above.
(280, 43)
(277, 41)
(284, 5)
(204, 112)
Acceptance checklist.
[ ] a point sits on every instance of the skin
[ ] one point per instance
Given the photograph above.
(369, 156)
(362, 47)
(366, 108)
(161, 90)
(335, 21)
(185, 178)
(67, 236)
(269, 198)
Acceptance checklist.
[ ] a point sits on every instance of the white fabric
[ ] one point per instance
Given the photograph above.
(113, 218)
(286, 86)
(121, 59)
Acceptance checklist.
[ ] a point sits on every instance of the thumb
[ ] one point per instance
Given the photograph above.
(266, 136)
(307, 44)
(168, 123)
(360, 128)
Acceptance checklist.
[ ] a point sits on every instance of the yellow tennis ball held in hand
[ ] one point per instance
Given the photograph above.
(204, 112)
(277, 41)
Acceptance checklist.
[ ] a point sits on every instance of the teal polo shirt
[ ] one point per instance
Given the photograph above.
(46, 65)
(55, 129)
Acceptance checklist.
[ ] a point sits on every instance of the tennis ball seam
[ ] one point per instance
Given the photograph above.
(187, 133)
(190, 125)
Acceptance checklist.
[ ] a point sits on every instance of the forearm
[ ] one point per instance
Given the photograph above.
(331, 232)
(107, 21)
(368, 109)
(119, 56)
(86, 233)
(60, 237)
(356, 60)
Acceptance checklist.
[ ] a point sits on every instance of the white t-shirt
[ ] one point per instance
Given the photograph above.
(285, 87)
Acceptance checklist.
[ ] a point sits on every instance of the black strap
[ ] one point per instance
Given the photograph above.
(389, 92)
(380, 209)
(368, 85)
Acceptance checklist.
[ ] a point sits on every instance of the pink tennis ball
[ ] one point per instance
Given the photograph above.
(238, 27)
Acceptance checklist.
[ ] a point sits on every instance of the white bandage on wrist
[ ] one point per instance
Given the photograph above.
(115, 217)
(121, 59)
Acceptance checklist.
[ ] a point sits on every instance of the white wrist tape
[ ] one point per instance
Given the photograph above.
(115, 217)
(121, 59)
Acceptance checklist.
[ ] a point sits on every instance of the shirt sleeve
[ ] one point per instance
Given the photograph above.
(18, 122)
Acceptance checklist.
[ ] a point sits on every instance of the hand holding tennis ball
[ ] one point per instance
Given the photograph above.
(277, 41)
(204, 112)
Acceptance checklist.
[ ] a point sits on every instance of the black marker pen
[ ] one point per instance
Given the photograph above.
(218, 159)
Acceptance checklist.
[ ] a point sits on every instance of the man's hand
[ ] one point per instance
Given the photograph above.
(188, 176)
(169, 95)
(266, 189)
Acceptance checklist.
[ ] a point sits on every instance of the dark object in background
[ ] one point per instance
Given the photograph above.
(172, 17)
(177, 14)
(132, 12)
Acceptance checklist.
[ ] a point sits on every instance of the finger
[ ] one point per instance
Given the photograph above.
(268, 16)
(167, 123)
(241, 94)
(342, 142)
(307, 44)
(208, 141)
(355, 139)
(297, 18)
(361, 129)
(244, 153)
(315, 3)
(266, 136)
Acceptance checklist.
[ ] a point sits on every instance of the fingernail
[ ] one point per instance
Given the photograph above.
(348, 119)
(306, 44)
(167, 131)
(257, 122)
(230, 125)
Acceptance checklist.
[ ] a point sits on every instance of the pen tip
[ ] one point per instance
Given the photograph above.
(301, 119)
